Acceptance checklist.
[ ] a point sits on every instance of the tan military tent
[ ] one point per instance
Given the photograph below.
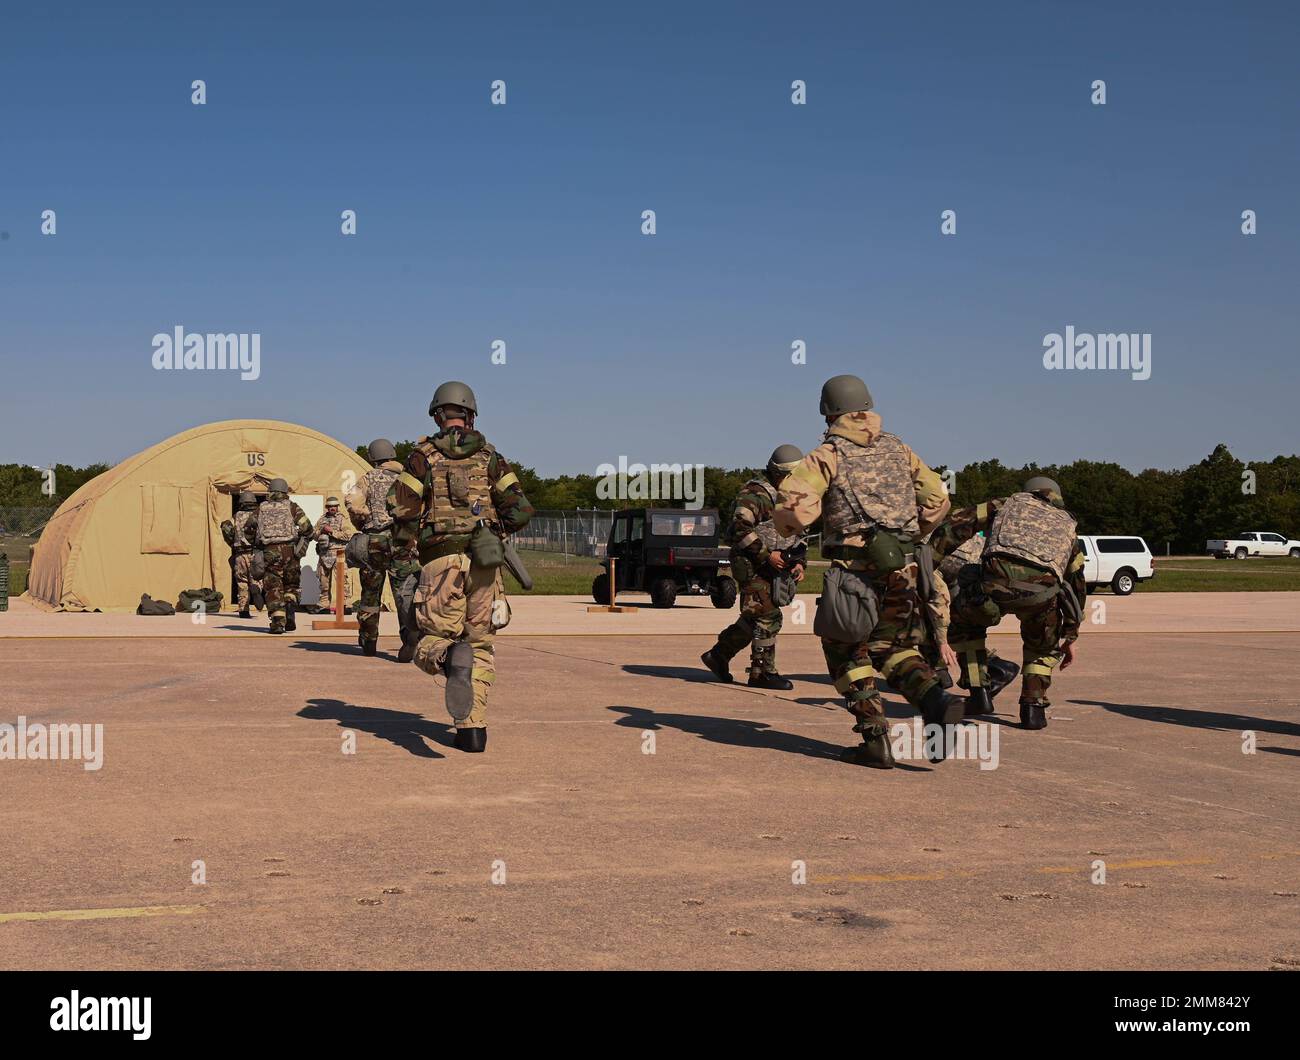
(153, 523)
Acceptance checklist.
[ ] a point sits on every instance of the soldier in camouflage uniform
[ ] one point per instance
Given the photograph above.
(283, 532)
(938, 652)
(367, 505)
(1032, 567)
(876, 499)
(331, 533)
(455, 498)
(239, 533)
(758, 555)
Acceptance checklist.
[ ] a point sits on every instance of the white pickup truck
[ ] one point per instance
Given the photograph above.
(1255, 543)
(1120, 562)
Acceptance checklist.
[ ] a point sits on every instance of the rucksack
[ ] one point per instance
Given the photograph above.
(191, 599)
(150, 606)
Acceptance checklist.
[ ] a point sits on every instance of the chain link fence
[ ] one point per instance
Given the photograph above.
(581, 532)
(23, 522)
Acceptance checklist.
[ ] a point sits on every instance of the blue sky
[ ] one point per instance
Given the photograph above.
(775, 223)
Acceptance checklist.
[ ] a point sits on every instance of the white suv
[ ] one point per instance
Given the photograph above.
(1120, 562)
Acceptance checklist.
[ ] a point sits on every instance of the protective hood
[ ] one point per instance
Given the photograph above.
(458, 443)
(860, 427)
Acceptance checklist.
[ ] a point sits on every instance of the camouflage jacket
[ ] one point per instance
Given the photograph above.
(331, 532)
(964, 523)
(751, 532)
(301, 524)
(246, 520)
(799, 503)
(413, 494)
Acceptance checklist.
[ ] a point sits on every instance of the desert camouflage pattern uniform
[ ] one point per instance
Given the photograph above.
(240, 534)
(858, 462)
(1030, 552)
(281, 524)
(939, 604)
(452, 481)
(367, 505)
(753, 539)
(330, 532)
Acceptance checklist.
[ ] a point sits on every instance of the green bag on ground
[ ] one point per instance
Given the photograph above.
(208, 600)
(150, 606)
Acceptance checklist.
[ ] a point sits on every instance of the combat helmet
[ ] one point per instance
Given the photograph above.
(246, 499)
(453, 393)
(277, 485)
(1046, 488)
(845, 393)
(382, 449)
(784, 459)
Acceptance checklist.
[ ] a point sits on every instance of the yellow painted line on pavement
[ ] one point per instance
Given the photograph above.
(1149, 863)
(104, 914)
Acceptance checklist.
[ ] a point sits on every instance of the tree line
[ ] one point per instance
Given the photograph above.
(1178, 510)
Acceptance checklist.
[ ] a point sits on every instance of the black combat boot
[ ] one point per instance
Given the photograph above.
(717, 666)
(277, 624)
(1001, 673)
(940, 707)
(289, 624)
(769, 679)
(243, 613)
(1033, 714)
(874, 751)
(472, 740)
(978, 703)
(407, 651)
(369, 647)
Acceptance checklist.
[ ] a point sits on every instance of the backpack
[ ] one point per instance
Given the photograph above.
(191, 598)
(150, 606)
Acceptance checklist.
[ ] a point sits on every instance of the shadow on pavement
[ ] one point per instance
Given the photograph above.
(407, 730)
(1196, 719)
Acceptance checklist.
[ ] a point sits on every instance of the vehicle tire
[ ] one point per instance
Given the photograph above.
(1241, 553)
(663, 592)
(1124, 582)
(724, 593)
(1294, 553)
(600, 588)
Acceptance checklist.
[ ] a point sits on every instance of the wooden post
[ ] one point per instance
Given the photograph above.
(339, 621)
(611, 608)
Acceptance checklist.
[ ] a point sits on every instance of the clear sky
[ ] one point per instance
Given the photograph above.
(775, 222)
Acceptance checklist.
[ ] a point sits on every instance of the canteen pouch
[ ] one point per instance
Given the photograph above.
(847, 610)
(783, 590)
(485, 547)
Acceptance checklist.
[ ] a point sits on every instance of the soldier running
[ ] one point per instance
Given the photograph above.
(240, 534)
(759, 555)
(283, 532)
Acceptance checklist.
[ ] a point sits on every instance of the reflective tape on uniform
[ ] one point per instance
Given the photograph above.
(411, 483)
(981, 512)
(486, 676)
(858, 673)
(1076, 563)
(506, 481)
(1040, 668)
(894, 661)
(809, 474)
(747, 540)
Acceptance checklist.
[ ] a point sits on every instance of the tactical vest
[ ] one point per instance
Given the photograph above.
(1028, 528)
(275, 523)
(242, 541)
(872, 489)
(334, 527)
(378, 482)
(969, 551)
(766, 529)
(457, 486)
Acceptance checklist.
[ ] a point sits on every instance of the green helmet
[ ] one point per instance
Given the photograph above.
(845, 393)
(382, 449)
(1047, 487)
(278, 485)
(453, 393)
(331, 502)
(247, 499)
(784, 459)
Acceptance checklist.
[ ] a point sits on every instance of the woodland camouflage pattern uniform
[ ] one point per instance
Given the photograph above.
(451, 482)
(240, 534)
(331, 533)
(908, 499)
(753, 539)
(1011, 583)
(367, 505)
(281, 527)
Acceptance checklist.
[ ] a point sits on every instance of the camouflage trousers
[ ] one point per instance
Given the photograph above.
(242, 565)
(325, 574)
(456, 600)
(402, 569)
(283, 574)
(1007, 588)
(892, 651)
(756, 628)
